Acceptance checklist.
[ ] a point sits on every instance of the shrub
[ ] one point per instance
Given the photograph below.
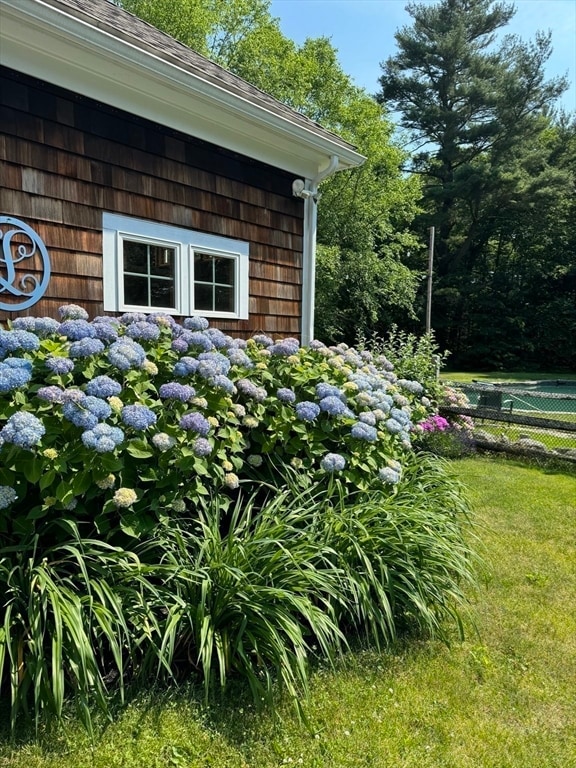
(172, 498)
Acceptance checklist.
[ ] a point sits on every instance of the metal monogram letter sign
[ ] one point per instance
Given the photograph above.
(20, 243)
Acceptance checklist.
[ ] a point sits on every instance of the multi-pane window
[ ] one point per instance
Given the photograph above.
(149, 275)
(150, 267)
(214, 283)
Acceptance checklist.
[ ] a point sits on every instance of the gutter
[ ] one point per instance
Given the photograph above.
(308, 190)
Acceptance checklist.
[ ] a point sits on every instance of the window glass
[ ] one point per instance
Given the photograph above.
(149, 274)
(214, 283)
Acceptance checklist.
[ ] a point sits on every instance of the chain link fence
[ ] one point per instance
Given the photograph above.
(530, 418)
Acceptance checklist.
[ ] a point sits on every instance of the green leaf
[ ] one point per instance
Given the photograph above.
(139, 449)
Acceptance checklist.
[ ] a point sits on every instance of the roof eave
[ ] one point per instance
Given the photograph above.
(60, 48)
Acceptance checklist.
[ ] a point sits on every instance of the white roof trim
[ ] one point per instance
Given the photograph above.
(58, 47)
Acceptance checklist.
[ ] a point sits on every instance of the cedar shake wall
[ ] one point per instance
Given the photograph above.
(64, 159)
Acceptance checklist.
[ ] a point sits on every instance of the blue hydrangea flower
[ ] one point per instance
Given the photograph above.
(125, 354)
(51, 394)
(394, 427)
(212, 364)
(59, 365)
(86, 347)
(362, 431)
(133, 317)
(41, 326)
(179, 345)
(72, 312)
(367, 417)
(14, 373)
(103, 387)
(219, 339)
(223, 382)
(103, 438)
(329, 390)
(412, 386)
(307, 411)
(77, 329)
(186, 366)
(389, 475)
(175, 391)
(201, 447)
(195, 422)
(333, 462)
(12, 341)
(143, 330)
(250, 389)
(335, 407)
(286, 395)
(86, 412)
(7, 496)
(285, 347)
(23, 429)
(138, 416)
(239, 357)
(315, 344)
(105, 331)
(196, 323)
(198, 339)
(263, 340)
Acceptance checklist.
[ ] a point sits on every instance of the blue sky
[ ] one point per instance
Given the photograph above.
(363, 32)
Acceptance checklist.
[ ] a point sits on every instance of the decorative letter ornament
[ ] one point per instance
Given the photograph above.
(28, 287)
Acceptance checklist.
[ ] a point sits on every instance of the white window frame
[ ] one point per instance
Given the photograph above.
(185, 242)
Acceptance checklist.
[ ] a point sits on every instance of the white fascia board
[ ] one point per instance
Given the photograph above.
(43, 42)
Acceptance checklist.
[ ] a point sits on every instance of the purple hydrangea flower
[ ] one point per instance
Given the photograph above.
(180, 345)
(286, 395)
(103, 387)
(125, 354)
(201, 447)
(59, 365)
(86, 347)
(138, 416)
(23, 429)
(103, 438)
(333, 462)
(362, 431)
(307, 411)
(195, 422)
(175, 391)
(315, 344)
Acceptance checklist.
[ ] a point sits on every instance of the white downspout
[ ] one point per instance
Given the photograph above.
(308, 190)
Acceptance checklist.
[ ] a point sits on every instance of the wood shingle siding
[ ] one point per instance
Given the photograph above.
(65, 159)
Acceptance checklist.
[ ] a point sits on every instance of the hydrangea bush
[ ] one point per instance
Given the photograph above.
(172, 498)
(135, 416)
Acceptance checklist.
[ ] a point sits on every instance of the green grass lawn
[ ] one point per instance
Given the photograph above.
(513, 376)
(503, 698)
